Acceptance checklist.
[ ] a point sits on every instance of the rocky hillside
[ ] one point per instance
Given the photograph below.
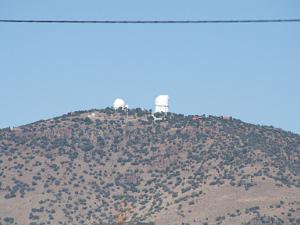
(117, 167)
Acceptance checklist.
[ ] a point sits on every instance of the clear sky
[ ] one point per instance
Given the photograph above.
(249, 71)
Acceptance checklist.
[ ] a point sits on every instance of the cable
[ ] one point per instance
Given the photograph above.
(150, 21)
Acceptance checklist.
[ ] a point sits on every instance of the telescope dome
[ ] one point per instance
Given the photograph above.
(119, 103)
(162, 103)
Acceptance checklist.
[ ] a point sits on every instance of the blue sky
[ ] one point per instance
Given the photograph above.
(249, 71)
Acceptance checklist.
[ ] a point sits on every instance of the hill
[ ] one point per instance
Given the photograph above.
(116, 167)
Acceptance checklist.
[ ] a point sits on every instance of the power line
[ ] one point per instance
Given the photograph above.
(149, 21)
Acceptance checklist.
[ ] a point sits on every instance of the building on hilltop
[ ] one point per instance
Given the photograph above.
(162, 103)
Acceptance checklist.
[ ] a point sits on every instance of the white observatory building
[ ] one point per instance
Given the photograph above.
(119, 103)
(162, 103)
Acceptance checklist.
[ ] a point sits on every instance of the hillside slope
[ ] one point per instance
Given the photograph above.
(111, 167)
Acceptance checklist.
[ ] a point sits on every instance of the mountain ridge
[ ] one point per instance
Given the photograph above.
(89, 167)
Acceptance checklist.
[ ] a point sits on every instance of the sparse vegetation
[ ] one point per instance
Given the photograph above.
(77, 169)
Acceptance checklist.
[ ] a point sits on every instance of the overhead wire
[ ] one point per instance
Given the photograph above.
(150, 21)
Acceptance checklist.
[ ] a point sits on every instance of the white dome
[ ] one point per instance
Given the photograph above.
(162, 100)
(119, 103)
(162, 103)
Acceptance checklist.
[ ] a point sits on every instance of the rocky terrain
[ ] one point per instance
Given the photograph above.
(125, 167)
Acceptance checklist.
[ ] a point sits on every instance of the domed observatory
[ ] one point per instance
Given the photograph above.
(162, 103)
(119, 103)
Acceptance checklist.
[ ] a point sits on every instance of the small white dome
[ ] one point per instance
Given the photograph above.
(119, 103)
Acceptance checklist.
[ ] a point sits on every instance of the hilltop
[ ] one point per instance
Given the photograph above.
(115, 167)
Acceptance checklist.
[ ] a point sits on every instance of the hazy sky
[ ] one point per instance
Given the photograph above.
(249, 71)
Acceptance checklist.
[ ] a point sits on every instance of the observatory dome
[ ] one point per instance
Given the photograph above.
(162, 103)
(119, 103)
